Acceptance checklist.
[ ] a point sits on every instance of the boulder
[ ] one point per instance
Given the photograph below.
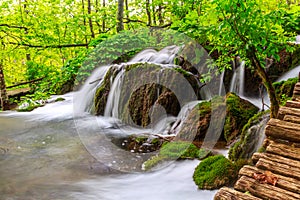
(238, 112)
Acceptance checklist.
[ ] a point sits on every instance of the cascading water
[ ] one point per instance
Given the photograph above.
(43, 157)
(238, 80)
(83, 99)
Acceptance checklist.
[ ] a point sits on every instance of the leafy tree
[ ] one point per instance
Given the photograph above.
(256, 35)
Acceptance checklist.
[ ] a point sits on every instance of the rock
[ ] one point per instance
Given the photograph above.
(238, 112)
(214, 172)
(143, 87)
(176, 150)
(251, 137)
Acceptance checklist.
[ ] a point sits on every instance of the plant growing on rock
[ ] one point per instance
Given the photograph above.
(214, 172)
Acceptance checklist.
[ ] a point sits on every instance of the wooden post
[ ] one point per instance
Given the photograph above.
(299, 77)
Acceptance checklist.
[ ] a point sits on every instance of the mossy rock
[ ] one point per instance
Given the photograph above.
(176, 150)
(214, 172)
(153, 162)
(238, 112)
(247, 143)
(138, 143)
(284, 89)
(102, 92)
(144, 86)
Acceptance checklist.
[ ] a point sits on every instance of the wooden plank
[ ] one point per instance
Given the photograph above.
(293, 104)
(226, 193)
(284, 124)
(276, 158)
(264, 191)
(289, 151)
(278, 168)
(282, 133)
(288, 111)
(283, 182)
(291, 118)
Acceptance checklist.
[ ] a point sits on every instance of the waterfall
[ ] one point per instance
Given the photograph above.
(221, 84)
(83, 100)
(112, 105)
(238, 80)
(182, 116)
(255, 136)
(290, 74)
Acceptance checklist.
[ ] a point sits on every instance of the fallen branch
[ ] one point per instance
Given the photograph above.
(27, 82)
(49, 46)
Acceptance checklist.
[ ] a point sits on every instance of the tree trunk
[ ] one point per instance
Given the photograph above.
(266, 81)
(148, 12)
(120, 15)
(160, 16)
(84, 21)
(154, 13)
(103, 21)
(90, 19)
(3, 94)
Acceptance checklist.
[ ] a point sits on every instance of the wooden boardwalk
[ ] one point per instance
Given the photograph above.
(276, 174)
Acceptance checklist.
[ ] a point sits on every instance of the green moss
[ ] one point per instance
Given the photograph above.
(59, 99)
(214, 172)
(29, 108)
(182, 71)
(174, 150)
(238, 150)
(153, 161)
(239, 111)
(284, 89)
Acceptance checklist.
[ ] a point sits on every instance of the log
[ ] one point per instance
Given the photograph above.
(284, 124)
(278, 168)
(293, 104)
(276, 158)
(283, 182)
(264, 191)
(288, 111)
(283, 133)
(288, 151)
(291, 118)
(226, 193)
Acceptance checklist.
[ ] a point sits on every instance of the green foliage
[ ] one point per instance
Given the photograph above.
(214, 172)
(284, 89)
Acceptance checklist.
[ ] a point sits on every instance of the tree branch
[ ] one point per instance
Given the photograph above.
(128, 20)
(13, 26)
(24, 83)
(49, 46)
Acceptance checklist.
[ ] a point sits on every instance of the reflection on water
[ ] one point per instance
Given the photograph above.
(42, 157)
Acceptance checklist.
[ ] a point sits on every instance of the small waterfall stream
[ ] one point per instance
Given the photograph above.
(43, 157)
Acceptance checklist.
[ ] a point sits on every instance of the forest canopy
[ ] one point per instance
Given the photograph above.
(49, 39)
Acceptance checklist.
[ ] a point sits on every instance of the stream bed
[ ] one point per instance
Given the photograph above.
(43, 157)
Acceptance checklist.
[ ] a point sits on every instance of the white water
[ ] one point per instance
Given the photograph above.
(238, 80)
(112, 106)
(43, 157)
(171, 183)
(290, 74)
